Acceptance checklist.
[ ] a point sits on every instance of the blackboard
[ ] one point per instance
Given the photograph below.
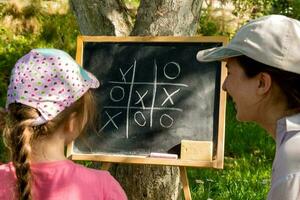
(153, 95)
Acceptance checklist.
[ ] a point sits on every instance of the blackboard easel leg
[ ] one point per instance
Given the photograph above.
(185, 183)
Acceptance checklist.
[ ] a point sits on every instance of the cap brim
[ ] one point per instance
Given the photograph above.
(93, 80)
(89, 77)
(216, 54)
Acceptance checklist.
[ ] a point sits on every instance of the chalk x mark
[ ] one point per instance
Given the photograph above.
(169, 96)
(141, 98)
(110, 120)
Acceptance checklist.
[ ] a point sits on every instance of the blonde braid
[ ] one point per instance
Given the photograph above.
(19, 134)
(21, 139)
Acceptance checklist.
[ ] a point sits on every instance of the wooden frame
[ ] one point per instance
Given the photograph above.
(215, 162)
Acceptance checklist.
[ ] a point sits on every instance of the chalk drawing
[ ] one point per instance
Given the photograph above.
(110, 119)
(169, 96)
(166, 121)
(136, 118)
(141, 98)
(121, 97)
(171, 72)
(172, 65)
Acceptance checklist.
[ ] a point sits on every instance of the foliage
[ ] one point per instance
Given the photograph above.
(253, 8)
(208, 25)
(19, 35)
(132, 3)
(259, 8)
(235, 13)
(289, 8)
(10, 50)
(28, 27)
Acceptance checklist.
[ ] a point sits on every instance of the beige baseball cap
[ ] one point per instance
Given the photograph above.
(273, 40)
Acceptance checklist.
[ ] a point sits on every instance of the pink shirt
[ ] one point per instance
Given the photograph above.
(63, 180)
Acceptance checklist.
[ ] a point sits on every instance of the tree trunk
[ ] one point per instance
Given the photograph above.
(102, 17)
(156, 18)
(167, 17)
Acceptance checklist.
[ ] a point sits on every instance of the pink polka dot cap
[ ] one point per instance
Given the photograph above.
(49, 80)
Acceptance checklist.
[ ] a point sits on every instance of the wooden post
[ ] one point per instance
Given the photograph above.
(185, 183)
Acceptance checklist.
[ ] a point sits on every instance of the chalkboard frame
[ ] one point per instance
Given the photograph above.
(217, 161)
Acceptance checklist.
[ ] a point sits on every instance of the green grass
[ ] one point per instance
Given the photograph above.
(241, 178)
(248, 159)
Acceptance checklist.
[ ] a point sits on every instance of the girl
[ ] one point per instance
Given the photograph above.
(263, 80)
(49, 104)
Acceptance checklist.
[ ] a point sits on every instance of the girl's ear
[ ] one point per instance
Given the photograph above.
(71, 130)
(71, 125)
(264, 83)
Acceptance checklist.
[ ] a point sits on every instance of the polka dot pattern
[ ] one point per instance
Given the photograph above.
(49, 80)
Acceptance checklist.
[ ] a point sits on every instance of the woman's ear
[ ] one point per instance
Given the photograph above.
(264, 83)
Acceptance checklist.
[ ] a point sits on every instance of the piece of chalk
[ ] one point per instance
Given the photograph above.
(163, 155)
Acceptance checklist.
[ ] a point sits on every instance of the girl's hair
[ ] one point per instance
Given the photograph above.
(288, 82)
(19, 134)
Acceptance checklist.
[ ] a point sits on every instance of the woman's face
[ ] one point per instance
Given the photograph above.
(243, 91)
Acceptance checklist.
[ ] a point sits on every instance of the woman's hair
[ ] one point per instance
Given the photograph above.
(288, 82)
(19, 134)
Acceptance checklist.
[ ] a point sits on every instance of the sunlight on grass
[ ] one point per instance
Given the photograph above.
(241, 178)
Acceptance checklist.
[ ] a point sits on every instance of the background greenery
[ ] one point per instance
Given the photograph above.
(249, 150)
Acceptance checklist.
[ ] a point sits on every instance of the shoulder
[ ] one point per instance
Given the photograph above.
(287, 187)
(89, 175)
(7, 174)
(287, 159)
(90, 172)
(6, 170)
(288, 136)
(103, 181)
(290, 147)
(7, 180)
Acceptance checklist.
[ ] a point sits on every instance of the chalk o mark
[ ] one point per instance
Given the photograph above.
(117, 99)
(166, 121)
(142, 117)
(169, 65)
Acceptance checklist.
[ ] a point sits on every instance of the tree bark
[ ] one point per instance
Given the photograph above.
(156, 18)
(149, 182)
(167, 17)
(102, 17)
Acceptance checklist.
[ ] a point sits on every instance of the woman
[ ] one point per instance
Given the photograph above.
(263, 80)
